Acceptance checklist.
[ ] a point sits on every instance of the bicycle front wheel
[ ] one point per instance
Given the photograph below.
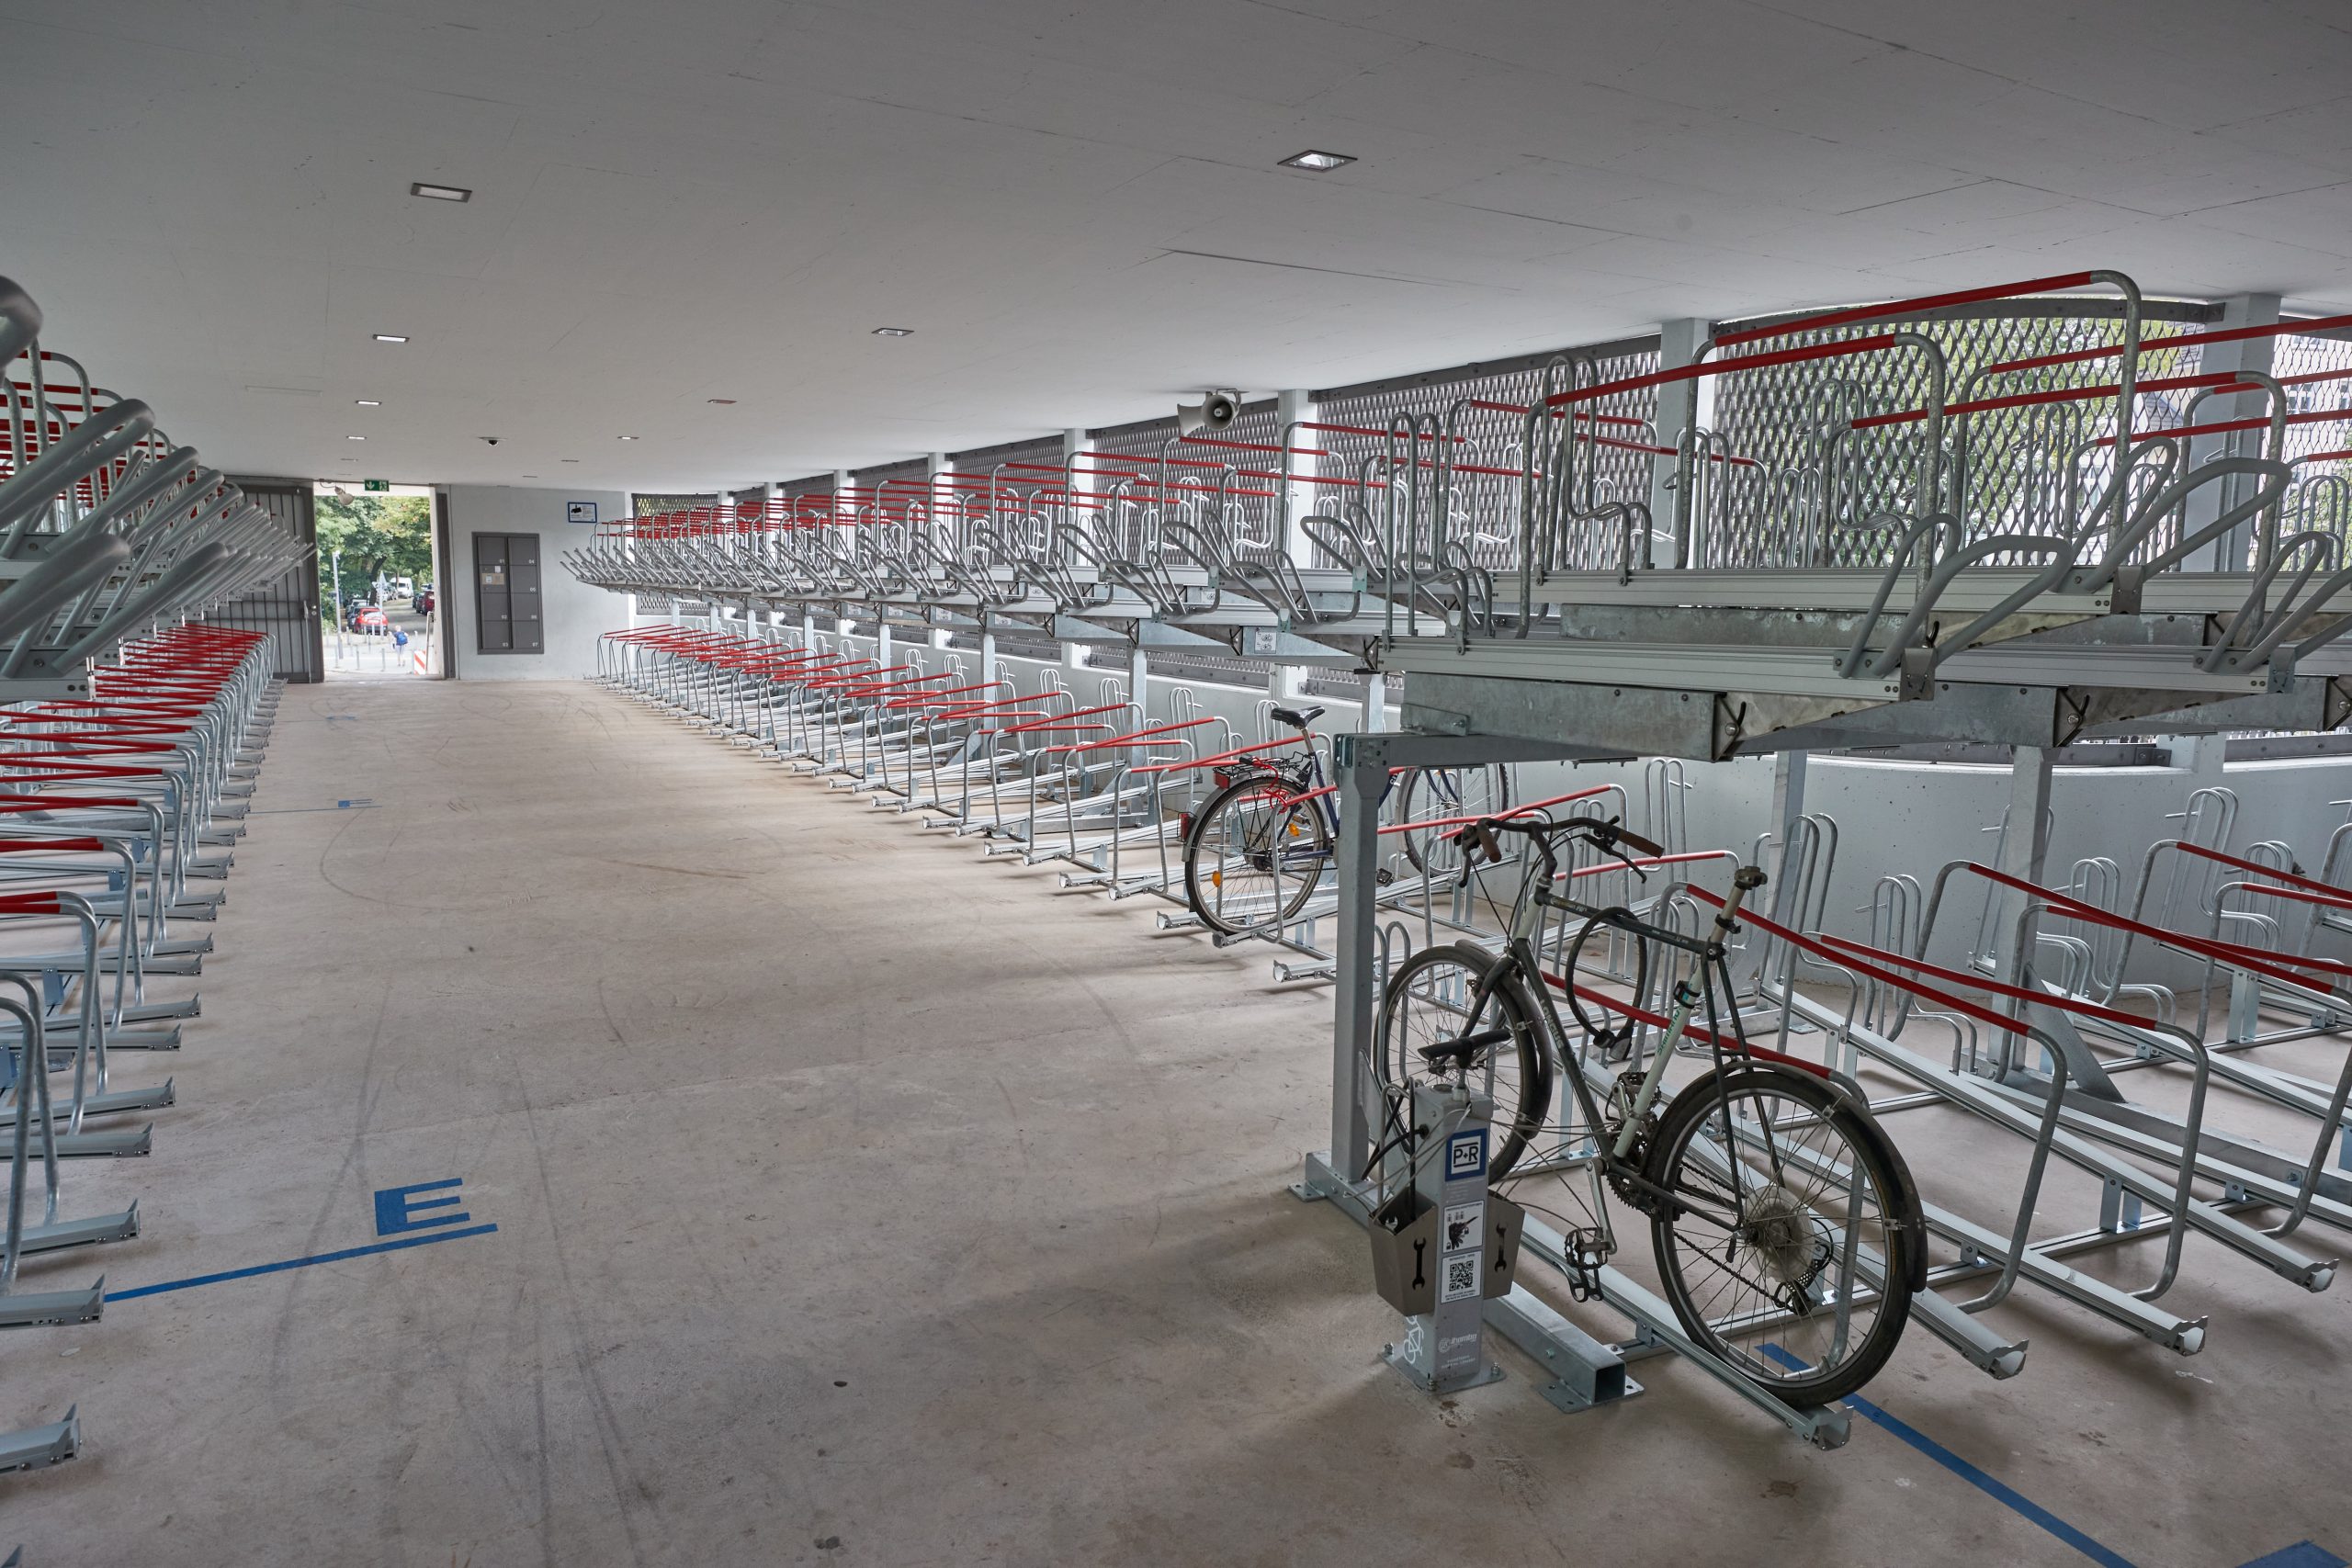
(1432, 998)
(1784, 1224)
(1433, 793)
(1255, 856)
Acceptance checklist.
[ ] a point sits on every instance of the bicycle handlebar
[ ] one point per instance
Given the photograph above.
(1602, 834)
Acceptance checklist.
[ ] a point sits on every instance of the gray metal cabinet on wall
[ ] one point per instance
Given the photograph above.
(509, 612)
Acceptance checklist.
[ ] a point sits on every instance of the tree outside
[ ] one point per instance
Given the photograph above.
(387, 534)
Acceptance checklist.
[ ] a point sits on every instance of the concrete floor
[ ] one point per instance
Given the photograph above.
(857, 1202)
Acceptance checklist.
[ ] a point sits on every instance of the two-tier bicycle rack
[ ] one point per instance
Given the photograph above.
(1897, 524)
(131, 731)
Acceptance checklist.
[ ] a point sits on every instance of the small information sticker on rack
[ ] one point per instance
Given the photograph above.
(580, 512)
(1466, 1156)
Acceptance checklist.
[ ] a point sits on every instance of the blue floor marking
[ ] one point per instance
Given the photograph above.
(2302, 1554)
(403, 1242)
(1975, 1477)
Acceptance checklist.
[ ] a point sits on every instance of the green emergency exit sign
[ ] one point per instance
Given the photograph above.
(375, 484)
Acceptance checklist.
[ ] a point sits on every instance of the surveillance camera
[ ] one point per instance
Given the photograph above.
(1216, 409)
(492, 440)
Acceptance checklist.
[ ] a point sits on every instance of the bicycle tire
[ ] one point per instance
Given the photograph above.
(1522, 1095)
(1785, 1228)
(1204, 884)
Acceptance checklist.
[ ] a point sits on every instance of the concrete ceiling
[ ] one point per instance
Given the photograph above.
(1074, 207)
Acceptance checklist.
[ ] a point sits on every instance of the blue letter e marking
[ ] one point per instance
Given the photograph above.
(396, 1207)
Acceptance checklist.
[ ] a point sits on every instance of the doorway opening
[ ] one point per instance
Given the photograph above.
(378, 596)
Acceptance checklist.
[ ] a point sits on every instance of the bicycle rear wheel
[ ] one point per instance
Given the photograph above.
(1428, 1002)
(1784, 1226)
(1255, 856)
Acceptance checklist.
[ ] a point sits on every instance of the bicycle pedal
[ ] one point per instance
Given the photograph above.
(1585, 1254)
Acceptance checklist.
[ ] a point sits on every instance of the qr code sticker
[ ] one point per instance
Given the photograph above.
(1460, 1277)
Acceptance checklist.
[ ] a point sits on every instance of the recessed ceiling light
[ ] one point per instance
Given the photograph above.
(354, 438)
(391, 337)
(367, 402)
(894, 332)
(728, 403)
(440, 192)
(625, 438)
(1316, 163)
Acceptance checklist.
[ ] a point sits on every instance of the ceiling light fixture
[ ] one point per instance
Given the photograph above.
(391, 337)
(354, 438)
(894, 332)
(367, 402)
(1316, 163)
(724, 403)
(440, 192)
(625, 438)
(569, 460)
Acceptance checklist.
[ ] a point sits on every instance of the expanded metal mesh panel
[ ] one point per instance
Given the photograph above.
(903, 479)
(1020, 468)
(645, 505)
(2320, 449)
(1190, 480)
(287, 607)
(814, 484)
(2300, 353)
(1481, 411)
(1789, 480)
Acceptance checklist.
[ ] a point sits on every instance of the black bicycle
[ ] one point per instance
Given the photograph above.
(1785, 1225)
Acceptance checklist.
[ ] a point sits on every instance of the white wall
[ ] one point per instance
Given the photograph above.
(576, 613)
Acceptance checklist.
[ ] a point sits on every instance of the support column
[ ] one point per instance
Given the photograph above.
(1362, 772)
(844, 503)
(1376, 702)
(1140, 681)
(769, 494)
(1789, 773)
(1681, 406)
(2199, 756)
(2024, 854)
(1298, 498)
(2235, 551)
(1073, 442)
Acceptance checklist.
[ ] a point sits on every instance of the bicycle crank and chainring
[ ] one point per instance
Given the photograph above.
(1631, 1192)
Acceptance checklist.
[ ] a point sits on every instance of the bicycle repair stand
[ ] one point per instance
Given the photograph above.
(1442, 1244)
(1585, 1371)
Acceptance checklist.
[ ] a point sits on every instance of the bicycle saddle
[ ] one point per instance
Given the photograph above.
(1297, 718)
(1463, 1052)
